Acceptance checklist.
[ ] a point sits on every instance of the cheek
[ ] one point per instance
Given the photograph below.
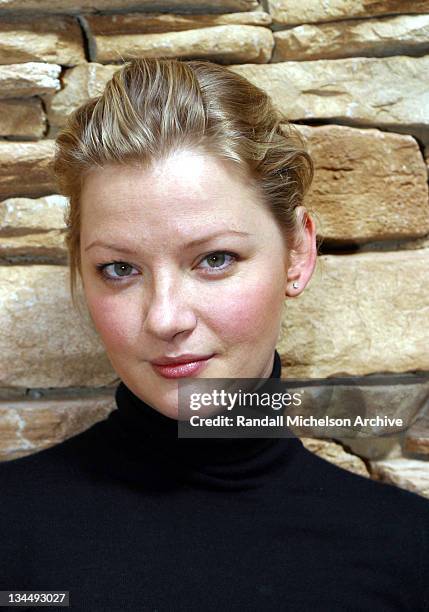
(248, 312)
(113, 321)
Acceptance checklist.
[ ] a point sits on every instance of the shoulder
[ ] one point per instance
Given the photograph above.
(366, 494)
(381, 514)
(65, 460)
(46, 496)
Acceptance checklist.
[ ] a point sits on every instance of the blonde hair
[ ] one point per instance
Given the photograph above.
(152, 107)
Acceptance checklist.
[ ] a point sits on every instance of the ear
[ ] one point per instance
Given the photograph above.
(302, 255)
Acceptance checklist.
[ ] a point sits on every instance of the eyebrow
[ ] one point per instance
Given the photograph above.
(192, 243)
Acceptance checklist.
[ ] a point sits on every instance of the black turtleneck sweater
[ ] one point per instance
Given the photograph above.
(127, 516)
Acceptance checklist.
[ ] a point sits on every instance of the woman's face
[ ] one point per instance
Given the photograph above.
(202, 270)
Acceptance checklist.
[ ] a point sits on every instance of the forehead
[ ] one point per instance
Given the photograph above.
(183, 199)
(185, 183)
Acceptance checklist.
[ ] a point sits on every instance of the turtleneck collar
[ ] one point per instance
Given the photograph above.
(225, 462)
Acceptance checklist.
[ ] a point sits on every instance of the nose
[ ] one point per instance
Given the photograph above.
(169, 311)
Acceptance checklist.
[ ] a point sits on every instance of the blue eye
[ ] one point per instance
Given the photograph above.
(217, 259)
(118, 266)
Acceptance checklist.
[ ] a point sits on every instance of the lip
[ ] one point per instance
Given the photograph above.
(185, 358)
(182, 369)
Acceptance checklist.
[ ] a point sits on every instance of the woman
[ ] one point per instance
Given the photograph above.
(188, 230)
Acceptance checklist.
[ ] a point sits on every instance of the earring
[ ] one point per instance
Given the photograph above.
(295, 284)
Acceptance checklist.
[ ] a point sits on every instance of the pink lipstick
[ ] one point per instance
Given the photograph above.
(180, 370)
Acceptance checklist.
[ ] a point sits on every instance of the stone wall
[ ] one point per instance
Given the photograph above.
(353, 77)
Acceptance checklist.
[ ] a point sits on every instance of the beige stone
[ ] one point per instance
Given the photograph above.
(57, 40)
(27, 215)
(360, 314)
(410, 474)
(42, 247)
(403, 35)
(394, 245)
(79, 84)
(22, 118)
(222, 44)
(398, 398)
(368, 184)
(417, 437)
(33, 228)
(375, 448)
(91, 6)
(336, 454)
(43, 340)
(289, 12)
(29, 79)
(26, 168)
(158, 23)
(390, 93)
(29, 426)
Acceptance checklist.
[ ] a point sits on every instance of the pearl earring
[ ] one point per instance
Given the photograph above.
(295, 284)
